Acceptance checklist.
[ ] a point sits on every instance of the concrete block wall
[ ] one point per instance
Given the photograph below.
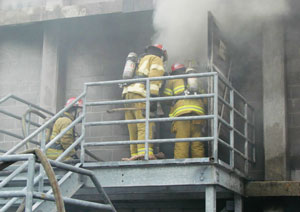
(20, 65)
(95, 49)
(91, 49)
(293, 93)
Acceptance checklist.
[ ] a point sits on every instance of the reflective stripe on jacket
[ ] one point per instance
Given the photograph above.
(149, 66)
(176, 87)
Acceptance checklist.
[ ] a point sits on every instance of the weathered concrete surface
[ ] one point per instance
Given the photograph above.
(58, 10)
(272, 189)
(46, 63)
(94, 49)
(50, 67)
(293, 92)
(274, 102)
(20, 65)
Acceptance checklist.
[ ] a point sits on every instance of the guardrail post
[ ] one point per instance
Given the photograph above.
(42, 172)
(28, 124)
(246, 139)
(82, 152)
(215, 122)
(210, 199)
(30, 184)
(232, 129)
(147, 119)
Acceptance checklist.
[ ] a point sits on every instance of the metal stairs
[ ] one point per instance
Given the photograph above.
(69, 184)
(28, 181)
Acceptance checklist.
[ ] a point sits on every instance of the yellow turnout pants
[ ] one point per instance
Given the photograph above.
(137, 131)
(54, 153)
(188, 129)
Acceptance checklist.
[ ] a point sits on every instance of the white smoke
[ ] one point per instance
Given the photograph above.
(180, 25)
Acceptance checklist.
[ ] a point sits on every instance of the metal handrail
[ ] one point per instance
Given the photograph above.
(11, 96)
(206, 74)
(17, 136)
(214, 116)
(147, 99)
(184, 118)
(34, 134)
(14, 116)
(18, 117)
(44, 126)
(154, 99)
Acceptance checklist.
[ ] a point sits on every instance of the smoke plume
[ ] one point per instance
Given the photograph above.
(181, 24)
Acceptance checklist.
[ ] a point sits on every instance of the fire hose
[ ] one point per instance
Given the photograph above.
(50, 174)
(29, 111)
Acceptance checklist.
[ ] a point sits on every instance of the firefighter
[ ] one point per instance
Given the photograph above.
(69, 137)
(150, 65)
(187, 107)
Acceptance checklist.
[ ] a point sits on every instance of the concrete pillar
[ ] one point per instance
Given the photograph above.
(274, 101)
(50, 67)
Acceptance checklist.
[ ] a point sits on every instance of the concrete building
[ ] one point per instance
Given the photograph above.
(49, 49)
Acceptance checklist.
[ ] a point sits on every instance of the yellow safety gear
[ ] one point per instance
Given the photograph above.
(188, 129)
(176, 87)
(179, 89)
(149, 66)
(185, 129)
(65, 141)
(137, 131)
